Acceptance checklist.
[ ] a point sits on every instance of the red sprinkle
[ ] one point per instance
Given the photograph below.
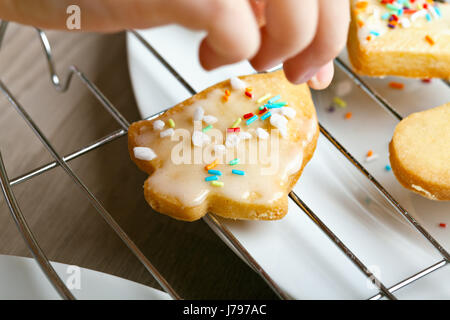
(234, 129)
(263, 110)
(426, 80)
(248, 94)
(396, 85)
(409, 11)
(442, 225)
(248, 115)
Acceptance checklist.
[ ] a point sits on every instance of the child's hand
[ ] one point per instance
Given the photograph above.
(303, 34)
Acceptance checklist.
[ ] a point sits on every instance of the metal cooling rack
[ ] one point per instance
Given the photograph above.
(210, 219)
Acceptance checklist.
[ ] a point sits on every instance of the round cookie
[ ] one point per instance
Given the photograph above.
(420, 153)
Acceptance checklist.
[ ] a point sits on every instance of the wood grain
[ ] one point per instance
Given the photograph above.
(191, 257)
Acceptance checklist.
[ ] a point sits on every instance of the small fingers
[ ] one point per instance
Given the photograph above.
(233, 34)
(323, 77)
(330, 39)
(290, 28)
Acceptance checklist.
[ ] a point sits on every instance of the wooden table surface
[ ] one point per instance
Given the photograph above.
(189, 255)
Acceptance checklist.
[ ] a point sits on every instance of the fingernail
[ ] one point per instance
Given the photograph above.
(314, 82)
(305, 77)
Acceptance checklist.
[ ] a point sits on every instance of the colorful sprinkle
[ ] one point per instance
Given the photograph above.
(276, 105)
(338, 101)
(266, 115)
(429, 40)
(387, 168)
(171, 123)
(234, 162)
(212, 165)
(251, 120)
(348, 115)
(211, 178)
(396, 85)
(426, 80)
(264, 109)
(236, 123)
(238, 172)
(263, 98)
(234, 129)
(248, 115)
(442, 225)
(362, 5)
(274, 99)
(215, 172)
(207, 128)
(217, 184)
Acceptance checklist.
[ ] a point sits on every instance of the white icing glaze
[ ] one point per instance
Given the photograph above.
(268, 164)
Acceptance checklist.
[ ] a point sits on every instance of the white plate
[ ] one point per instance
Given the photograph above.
(21, 278)
(293, 251)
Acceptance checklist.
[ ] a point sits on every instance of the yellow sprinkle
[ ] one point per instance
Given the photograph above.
(263, 98)
(236, 123)
(341, 103)
(217, 183)
(171, 123)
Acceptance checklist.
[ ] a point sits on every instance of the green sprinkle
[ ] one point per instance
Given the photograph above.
(234, 162)
(341, 103)
(391, 7)
(207, 128)
(263, 98)
(217, 183)
(171, 123)
(236, 123)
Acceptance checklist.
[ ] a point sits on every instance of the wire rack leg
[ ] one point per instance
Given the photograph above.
(28, 236)
(94, 201)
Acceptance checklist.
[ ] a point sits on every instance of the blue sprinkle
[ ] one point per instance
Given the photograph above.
(238, 172)
(375, 33)
(276, 105)
(215, 172)
(252, 119)
(428, 17)
(212, 178)
(266, 115)
(385, 16)
(274, 99)
(438, 11)
(387, 168)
